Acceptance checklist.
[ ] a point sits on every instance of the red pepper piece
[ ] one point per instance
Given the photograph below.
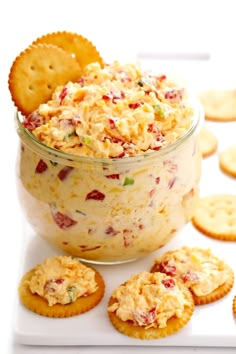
(145, 317)
(63, 173)
(63, 221)
(171, 182)
(32, 121)
(135, 105)
(190, 276)
(81, 81)
(112, 123)
(122, 154)
(85, 248)
(113, 176)
(95, 195)
(174, 94)
(151, 193)
(51, 284)
(167, 268)
(127, 237)
(63, 94)
(161, 77)
(41, 167)
(111, 231)
(113, 96)
(168, 283)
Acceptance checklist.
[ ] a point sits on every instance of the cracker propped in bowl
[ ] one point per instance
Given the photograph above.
(82, 49)
(36, 72)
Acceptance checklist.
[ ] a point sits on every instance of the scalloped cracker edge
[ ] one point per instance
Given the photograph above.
(83, 50)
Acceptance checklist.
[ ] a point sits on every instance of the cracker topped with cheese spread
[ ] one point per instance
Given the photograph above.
(150, 306)
(208, 277)
(61, 286)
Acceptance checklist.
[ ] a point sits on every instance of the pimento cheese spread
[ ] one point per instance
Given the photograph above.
(62, 280)
(149, 300)
(200, 270)
(115, 111)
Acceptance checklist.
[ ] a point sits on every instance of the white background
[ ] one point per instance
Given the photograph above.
(121, 30)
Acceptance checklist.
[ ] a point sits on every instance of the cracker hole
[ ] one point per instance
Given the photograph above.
(229, 211)
(212, 214)
(30, 87)
(51, 67)
(32, 67)
(49, 87)
(231, 222)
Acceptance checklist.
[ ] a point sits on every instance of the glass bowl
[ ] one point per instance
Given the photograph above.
(108, 211)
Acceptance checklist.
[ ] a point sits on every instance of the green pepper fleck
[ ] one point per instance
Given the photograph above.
(140, 82)
(159, 110)
(80, 212)
(128, 181)
(87, 140)
(71, 292)
(53, 163)
(69, 135)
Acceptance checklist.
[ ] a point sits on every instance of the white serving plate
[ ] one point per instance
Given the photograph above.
(211, 325)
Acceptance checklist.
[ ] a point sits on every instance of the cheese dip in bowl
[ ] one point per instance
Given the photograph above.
(108, 170)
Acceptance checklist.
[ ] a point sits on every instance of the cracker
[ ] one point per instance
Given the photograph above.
(215, 216)
(174, 324)
(80, 47)
(219, 105)
(234, 306)
(39, 305)
(227, 160)
(208, 142)
(36, 72)
(218, 293)
(186, 263)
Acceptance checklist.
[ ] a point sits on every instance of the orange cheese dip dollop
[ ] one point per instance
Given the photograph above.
(199, 269)
(62, 279)
(149, 300)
